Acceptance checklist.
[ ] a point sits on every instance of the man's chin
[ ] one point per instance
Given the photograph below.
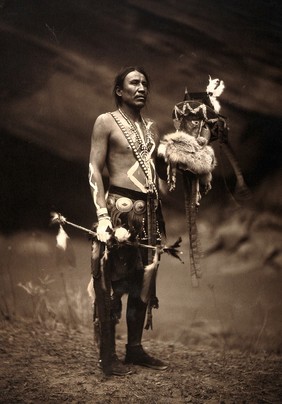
(140, 103)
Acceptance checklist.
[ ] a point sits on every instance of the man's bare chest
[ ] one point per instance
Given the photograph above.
(118, 143)
(130, 144)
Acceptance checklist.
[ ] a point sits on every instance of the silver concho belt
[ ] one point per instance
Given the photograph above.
(125, 205)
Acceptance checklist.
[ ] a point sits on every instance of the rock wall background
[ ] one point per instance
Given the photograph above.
(58, 64)
(58, 61)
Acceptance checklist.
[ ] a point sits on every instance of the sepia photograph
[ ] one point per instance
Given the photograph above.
(141, 201)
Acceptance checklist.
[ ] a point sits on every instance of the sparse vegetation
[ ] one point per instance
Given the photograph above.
(223, 340)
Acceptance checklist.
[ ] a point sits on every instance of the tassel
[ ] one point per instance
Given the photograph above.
(103, 261)
(149, 271)
(149, 322)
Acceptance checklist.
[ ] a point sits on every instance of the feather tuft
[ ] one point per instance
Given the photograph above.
(173, 250)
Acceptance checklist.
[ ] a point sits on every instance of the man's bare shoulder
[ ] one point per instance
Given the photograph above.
(103, 124)
(104, 119)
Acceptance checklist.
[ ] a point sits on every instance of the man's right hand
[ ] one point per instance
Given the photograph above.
(103, 228)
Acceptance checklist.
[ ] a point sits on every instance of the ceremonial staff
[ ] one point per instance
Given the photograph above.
(197, 122)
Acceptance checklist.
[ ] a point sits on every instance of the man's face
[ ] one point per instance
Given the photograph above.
(134, 91)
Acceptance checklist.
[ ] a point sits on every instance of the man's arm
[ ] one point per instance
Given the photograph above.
(98, 155)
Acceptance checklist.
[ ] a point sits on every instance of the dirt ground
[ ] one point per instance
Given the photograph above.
(52, 366)
(222, 340)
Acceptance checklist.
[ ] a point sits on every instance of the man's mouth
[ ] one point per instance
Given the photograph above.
(140, 98)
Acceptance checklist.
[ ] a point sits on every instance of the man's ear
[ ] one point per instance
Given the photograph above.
(118, 91)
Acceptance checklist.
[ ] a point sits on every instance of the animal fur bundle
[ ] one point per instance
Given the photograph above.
(185, 152)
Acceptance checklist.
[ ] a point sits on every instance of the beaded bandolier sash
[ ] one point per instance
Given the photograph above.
(142, 153)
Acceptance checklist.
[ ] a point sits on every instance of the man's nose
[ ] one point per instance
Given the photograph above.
(141, 87)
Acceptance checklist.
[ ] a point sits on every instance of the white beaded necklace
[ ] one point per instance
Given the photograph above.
(146, 141)
(142, 153)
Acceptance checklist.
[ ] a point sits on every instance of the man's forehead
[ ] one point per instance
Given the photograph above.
(135, 75)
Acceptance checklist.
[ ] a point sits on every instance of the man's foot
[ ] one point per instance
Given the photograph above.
(117, 367)
(137, 356)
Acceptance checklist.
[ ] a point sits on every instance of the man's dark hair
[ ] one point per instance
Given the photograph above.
(119, 80)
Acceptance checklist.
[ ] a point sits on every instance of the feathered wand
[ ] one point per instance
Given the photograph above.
(172, 250)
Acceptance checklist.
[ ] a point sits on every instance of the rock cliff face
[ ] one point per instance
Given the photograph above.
(60, 60)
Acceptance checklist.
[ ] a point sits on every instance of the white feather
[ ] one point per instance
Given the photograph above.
(62, 238)
(216, 105)
(215, 89)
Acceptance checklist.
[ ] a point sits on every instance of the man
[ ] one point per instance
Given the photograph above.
(126, 144)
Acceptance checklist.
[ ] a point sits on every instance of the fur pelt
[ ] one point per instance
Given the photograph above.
(187, 153)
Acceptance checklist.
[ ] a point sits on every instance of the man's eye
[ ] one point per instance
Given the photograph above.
(195, 123)
(135, 83)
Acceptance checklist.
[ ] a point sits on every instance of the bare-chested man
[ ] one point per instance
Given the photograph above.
(126, 143)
